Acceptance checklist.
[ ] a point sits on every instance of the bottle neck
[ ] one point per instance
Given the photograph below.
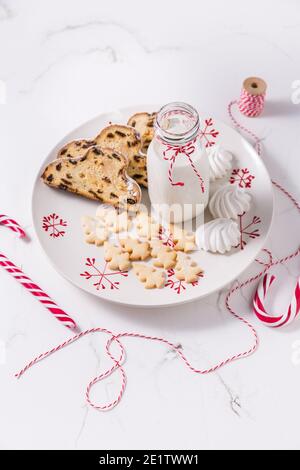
(177, 124)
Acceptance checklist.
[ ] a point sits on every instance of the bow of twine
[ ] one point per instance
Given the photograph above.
(171, 153)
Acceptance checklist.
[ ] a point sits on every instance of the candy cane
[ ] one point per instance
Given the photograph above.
(26, 282)
(260, 309)
(12, 225)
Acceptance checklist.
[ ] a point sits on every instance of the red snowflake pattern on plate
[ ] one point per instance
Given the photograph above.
(241, 176)
(52, 224)
(178, 286)
(102, 276)
(249, 230)
(208, 134)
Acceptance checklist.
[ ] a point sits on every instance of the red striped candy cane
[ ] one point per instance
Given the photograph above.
(26, 282)
(275, 321)
(12, 225)
(37, 292)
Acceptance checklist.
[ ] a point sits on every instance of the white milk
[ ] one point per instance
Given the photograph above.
(177, 125)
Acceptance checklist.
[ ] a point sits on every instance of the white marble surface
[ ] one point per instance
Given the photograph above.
(64, 62)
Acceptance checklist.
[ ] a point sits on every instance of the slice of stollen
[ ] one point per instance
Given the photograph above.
(76, 148)
(100, 174)
(127, 141)
(144, 124)
(123, 139)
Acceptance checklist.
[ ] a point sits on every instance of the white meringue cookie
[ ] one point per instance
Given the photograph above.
(220, 162)
(229, 202)
(218, 236)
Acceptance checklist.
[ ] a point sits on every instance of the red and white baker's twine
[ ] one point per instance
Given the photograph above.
(118, 362)
(27, 283)
(251, 105)
(171, 153)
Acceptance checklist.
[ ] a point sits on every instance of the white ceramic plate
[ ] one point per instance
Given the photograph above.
(56, 217)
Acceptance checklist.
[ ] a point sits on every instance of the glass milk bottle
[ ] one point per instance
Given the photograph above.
(178, 169)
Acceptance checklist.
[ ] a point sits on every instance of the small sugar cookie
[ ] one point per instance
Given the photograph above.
(149, 276)
(116, 222)
(157, 246)
(136, 249)
(116, 257)
(164, 256)
(88, 224)
(165, 259)
(94, 233)
(89, 229)
(106, 215)
(101, 235)
(91, 238)
(186, 269)
(123, 223)
(146, 226)
(183, 240)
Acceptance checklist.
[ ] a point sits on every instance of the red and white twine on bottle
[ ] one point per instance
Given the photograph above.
(172, 152)
(27, 283)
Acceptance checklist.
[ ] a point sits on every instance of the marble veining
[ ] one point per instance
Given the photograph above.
(6, 13)
(123, 28)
